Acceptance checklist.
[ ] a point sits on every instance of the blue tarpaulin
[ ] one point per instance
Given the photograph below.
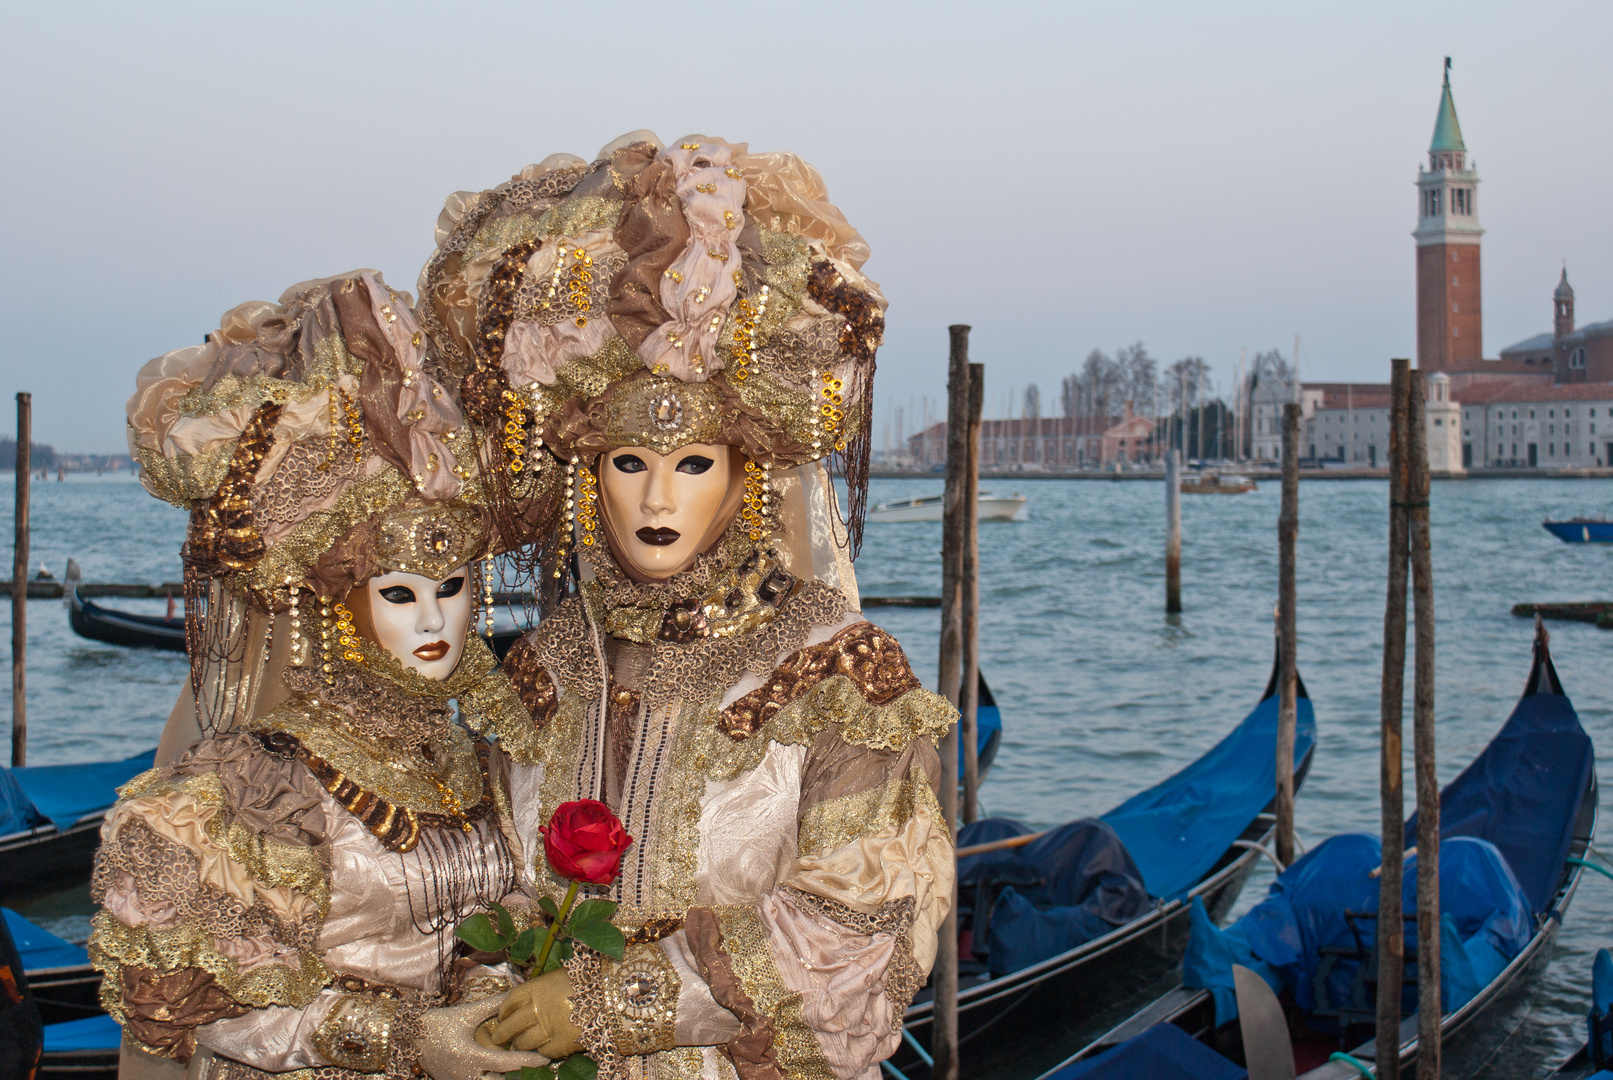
(1085, 878)
(1163, 1052)
(65, 793)
(1484, 917)
(1176, 830)
(91, 1033)
(1074, 884)
(1522, 794)
(39, 948)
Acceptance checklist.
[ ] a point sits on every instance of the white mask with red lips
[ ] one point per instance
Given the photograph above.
(420, 621)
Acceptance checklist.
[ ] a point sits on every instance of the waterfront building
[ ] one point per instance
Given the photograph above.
(1047, 444)
(1564, 426)
(1572, 354)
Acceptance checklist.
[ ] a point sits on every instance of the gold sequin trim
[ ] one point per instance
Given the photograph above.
(751, 953)
(641, 1000)
(114, 946)
(831, 825)
(357, 1033)
(863, 652)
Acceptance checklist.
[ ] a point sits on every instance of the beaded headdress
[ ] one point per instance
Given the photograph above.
(313, 450)
(658, 296)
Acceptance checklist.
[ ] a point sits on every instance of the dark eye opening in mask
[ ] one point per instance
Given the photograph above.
(450, 587)
(695, 464)
(628, 463)
(398, 594)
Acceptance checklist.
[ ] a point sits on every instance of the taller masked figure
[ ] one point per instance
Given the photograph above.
(282, 893)
(680, 337)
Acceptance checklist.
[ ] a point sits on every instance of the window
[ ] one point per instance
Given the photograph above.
(1531, 414)
(1551, 449)
(1552, 413)
(1438, 422)
(1576, 359)
(1568, 412)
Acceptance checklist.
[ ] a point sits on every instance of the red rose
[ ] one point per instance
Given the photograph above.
(584, 842)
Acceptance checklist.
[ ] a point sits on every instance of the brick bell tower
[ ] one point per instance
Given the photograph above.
(1450, 327)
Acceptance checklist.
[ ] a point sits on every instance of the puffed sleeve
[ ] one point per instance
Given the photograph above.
(820, 971)
(214, 887)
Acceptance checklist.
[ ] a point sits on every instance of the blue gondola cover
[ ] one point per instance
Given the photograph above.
(1286, 938)
(91, 1033)
(1176, 830)
(66, 793)
(1163, 1052)
(41, 949)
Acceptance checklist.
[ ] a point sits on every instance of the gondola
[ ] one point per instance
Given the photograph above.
(65, 986)
(1581, 530)
(100, 623)
(1530, 798)
(50, 819)
(90, 620)
(1020, 1018)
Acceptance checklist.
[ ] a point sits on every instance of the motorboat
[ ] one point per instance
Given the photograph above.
(929, 508)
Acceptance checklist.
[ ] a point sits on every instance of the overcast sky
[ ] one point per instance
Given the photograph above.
(1200, 177)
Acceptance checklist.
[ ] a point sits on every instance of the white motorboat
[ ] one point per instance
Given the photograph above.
(928, 508)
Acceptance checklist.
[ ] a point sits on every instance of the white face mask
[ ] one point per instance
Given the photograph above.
(421, 622)
(662, 506)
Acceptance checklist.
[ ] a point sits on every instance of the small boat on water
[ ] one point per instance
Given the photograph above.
(50, 819)
(1055, 927)
(928, 508)
(54, 1006)
(1515, 829)
(1581, 530)
(1597, 1054)
(1214, 483)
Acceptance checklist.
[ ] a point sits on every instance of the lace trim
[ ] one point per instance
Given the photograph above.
(903, 978)
(751, 953)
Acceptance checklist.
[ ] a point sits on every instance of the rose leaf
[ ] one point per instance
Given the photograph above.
(506, 925)
(602, 937)
(591, 911)
(525, 945)
(477, 932)
(578, 1067)
(548, 906)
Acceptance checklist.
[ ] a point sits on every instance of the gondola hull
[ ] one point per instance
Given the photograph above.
(1027, 1021)
(44, 858)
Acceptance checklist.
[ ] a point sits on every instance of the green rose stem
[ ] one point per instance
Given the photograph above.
(554, 927)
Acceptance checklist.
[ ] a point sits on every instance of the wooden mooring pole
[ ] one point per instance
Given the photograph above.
(969, 692)
(1422, 699)
(1392, 809)
(954, 534)
(1287, 635)
(19, 585)
(1173, 531)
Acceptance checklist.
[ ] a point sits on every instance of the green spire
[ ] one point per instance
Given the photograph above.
(1447, 132)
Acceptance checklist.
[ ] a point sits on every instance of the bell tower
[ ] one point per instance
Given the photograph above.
(1562, 307)
(1450, 327)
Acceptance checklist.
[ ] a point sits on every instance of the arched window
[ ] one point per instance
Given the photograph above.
(1576, 359)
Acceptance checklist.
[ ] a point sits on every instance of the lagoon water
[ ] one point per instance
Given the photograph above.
(1101, 694)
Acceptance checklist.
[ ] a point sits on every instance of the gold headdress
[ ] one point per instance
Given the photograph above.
(660, 296)
(313, 449)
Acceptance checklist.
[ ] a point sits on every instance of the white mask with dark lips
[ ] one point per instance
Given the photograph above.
(422, 622)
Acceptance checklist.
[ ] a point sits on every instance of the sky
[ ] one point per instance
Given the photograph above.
(1204, 178)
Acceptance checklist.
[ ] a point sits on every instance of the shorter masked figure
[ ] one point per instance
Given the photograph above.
(682, 332)
(283, 893)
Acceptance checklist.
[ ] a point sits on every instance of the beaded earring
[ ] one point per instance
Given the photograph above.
(569, 522)
(328, 668)
(347, 635)
(588, 505)
(487, 593)
(299, 644)
(756, 510)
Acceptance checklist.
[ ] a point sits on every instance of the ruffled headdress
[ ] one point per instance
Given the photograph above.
(313, 449)
(658, 296)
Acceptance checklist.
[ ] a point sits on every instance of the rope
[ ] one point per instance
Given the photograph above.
(1353, 1061)
(1604, 871)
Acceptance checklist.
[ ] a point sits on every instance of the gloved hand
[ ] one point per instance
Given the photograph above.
(449, 1049)
(537, 1016)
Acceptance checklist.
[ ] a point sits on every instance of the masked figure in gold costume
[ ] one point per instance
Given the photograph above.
(282, 894)
(672, 341)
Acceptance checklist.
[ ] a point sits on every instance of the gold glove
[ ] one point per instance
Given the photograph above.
(537, 1016)
(449, 1049)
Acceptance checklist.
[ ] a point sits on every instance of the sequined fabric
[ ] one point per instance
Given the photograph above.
(864, 653)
